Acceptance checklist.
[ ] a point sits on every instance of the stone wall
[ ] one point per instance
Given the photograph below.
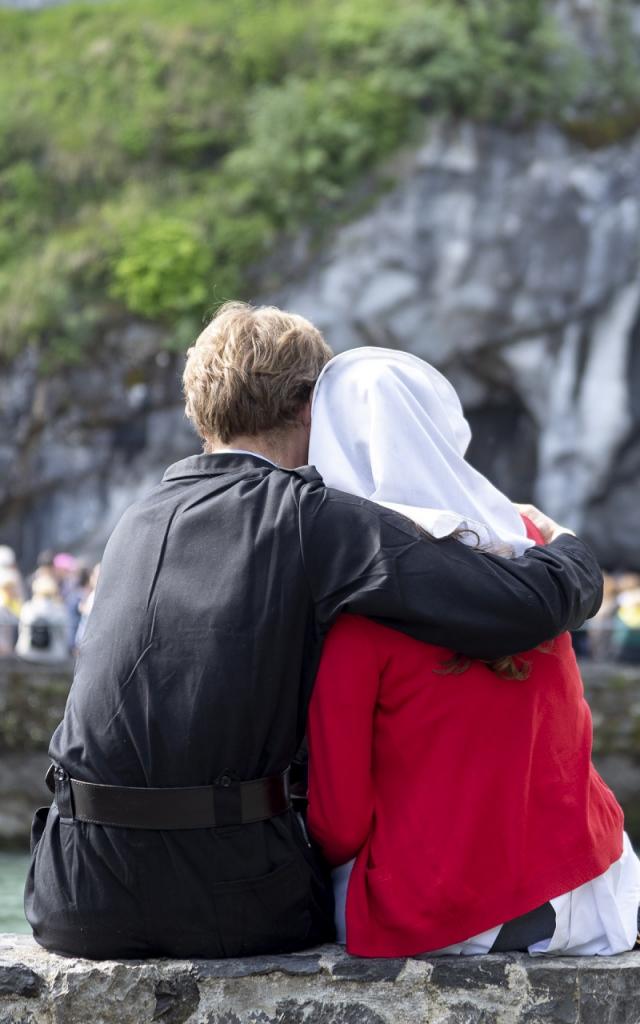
(613, 692)
(319, 986)
(32, 699)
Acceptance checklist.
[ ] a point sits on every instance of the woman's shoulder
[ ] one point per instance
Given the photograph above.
(358, 632)
(353, 629)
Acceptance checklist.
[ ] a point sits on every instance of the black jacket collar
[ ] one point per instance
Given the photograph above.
(215, 465)
(230, 462)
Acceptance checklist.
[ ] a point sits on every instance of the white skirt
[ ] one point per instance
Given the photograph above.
(600, 918)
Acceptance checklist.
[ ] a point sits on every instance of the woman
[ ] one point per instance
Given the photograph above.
(10, 605)
(456, 799)
(43, 630)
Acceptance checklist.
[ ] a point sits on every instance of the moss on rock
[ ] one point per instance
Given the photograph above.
(151, 153)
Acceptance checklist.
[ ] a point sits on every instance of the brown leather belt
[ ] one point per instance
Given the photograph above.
(225, 803)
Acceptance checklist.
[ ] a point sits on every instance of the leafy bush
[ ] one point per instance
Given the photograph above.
(151, 152)
(306, 141)
(608, 105)
(163, 268)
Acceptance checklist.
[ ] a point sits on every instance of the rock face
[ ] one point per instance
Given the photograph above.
(511, 262)
(77, 448)
(319, 986)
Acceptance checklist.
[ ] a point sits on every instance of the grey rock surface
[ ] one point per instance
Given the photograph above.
(509, 260)
(77, 448)
(512, 262)
(40, 988)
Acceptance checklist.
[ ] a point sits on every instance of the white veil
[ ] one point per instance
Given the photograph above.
(389, 427)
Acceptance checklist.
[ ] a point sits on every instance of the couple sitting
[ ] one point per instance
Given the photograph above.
(450, 781)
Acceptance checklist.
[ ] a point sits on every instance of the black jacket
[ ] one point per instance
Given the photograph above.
(198, 660)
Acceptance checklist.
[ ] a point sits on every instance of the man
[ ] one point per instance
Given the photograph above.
(172, 832)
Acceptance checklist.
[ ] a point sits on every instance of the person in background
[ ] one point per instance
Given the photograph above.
(44, 564)
(10, 605)
(600, 627)
(43, 629)
(11, 591)
(8, 561)
(581, 643)
(74, 597)
(65, 567)
(455, 797)
(87, 604)
(625, 639)
(44, 567)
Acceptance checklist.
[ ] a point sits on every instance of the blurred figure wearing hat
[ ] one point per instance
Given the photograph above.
(10, 605)
(8, 562)
(43, 629)
(65, 569)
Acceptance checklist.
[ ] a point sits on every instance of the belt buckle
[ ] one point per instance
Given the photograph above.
(63, 795)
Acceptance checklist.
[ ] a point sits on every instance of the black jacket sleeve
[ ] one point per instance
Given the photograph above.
(364, 559)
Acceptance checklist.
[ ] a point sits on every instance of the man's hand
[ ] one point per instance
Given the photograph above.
(548, 527)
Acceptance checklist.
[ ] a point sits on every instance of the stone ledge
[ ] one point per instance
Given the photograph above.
(319, 986)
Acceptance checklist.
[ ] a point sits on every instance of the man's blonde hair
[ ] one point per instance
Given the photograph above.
(251, 371)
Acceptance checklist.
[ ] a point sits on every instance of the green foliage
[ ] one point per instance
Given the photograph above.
(151, 152)
(55, 295)
(608, 107)
(163, 268)
(306, 141)
(25, 206)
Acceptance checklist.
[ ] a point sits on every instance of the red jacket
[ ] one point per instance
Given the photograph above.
(466, 799)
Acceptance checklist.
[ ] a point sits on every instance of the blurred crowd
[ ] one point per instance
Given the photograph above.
(614, 633)
(43, 617)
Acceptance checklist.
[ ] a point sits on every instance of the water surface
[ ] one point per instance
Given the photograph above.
(13, 871)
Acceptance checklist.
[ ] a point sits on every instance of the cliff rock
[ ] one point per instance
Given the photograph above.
(509, 260)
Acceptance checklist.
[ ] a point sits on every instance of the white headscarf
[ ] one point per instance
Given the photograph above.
(387, 426)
